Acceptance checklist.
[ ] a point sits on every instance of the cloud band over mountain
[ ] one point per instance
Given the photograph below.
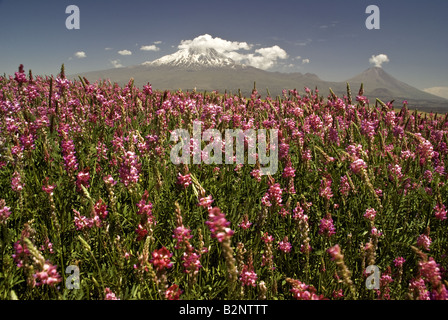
(240, 52)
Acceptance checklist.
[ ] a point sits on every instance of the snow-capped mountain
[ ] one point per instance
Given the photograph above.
(195, 58)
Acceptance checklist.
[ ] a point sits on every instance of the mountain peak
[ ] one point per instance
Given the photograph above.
(195, 58)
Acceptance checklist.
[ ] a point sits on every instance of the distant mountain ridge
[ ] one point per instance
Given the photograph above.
(207, 69)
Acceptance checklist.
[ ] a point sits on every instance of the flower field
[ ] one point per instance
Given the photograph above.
(92, 207)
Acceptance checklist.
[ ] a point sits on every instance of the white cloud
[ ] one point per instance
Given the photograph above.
(149, 48)
(263, 58)
(438, 91)
(305, 61)
(107, 49)
(80, 54)
(125, 52)
(116, 63)
(157, 42)
(220, 45)
(379, 60)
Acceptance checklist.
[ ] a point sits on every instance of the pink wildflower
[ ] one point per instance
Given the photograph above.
(284, 245)
(218, 225)
(82, 222)
(16, 182)
(185, 180)
(182, 235)
(344, 186)
(130, 169)
(161, 259)
(173, 292)
(302, 291)
(358, 165)
(245, 224)
(191, 261)
(326, 226)
(110, 295)
(424, 241)
(325, 189)
(289, 172)
(248, 276)
(4, 211)
(206, 202)
(399, 262)
(48, 275)
(370, 214)
(440, 211)
(82, 179)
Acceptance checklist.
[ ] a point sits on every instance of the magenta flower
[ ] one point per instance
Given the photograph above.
(141, 231)
(248, 276)
(109, 180)
(358, 165)
(20, 76)
(4, 211)
(16, 182)
(48, 275)
(82, 222)
(256, 174)
(100, 209)
(370, 214)
(334, 252)
(245, 224)
(267, 238)
(182, 234)
(430, 271)
(82, 179)
(302, 291)
(161, 259)
(21, 253)
(440, 211)
(284, 245)
(70, 161)
(273, 196)
(289, 172)
(344, 186)
(418, 289)
(206, 202)
(47, 187)
(130, 169)
(218, 225)
(424, 241)
(326, 227)
(399, 262)
(144, 205)
(395, 171)
(185, 180)
(110, 295)
(325, 189)
(191, 261)
(173, 292)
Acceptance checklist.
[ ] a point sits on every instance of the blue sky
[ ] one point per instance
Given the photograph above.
(330, 37)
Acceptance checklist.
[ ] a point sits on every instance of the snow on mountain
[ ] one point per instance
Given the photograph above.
(195, 58)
